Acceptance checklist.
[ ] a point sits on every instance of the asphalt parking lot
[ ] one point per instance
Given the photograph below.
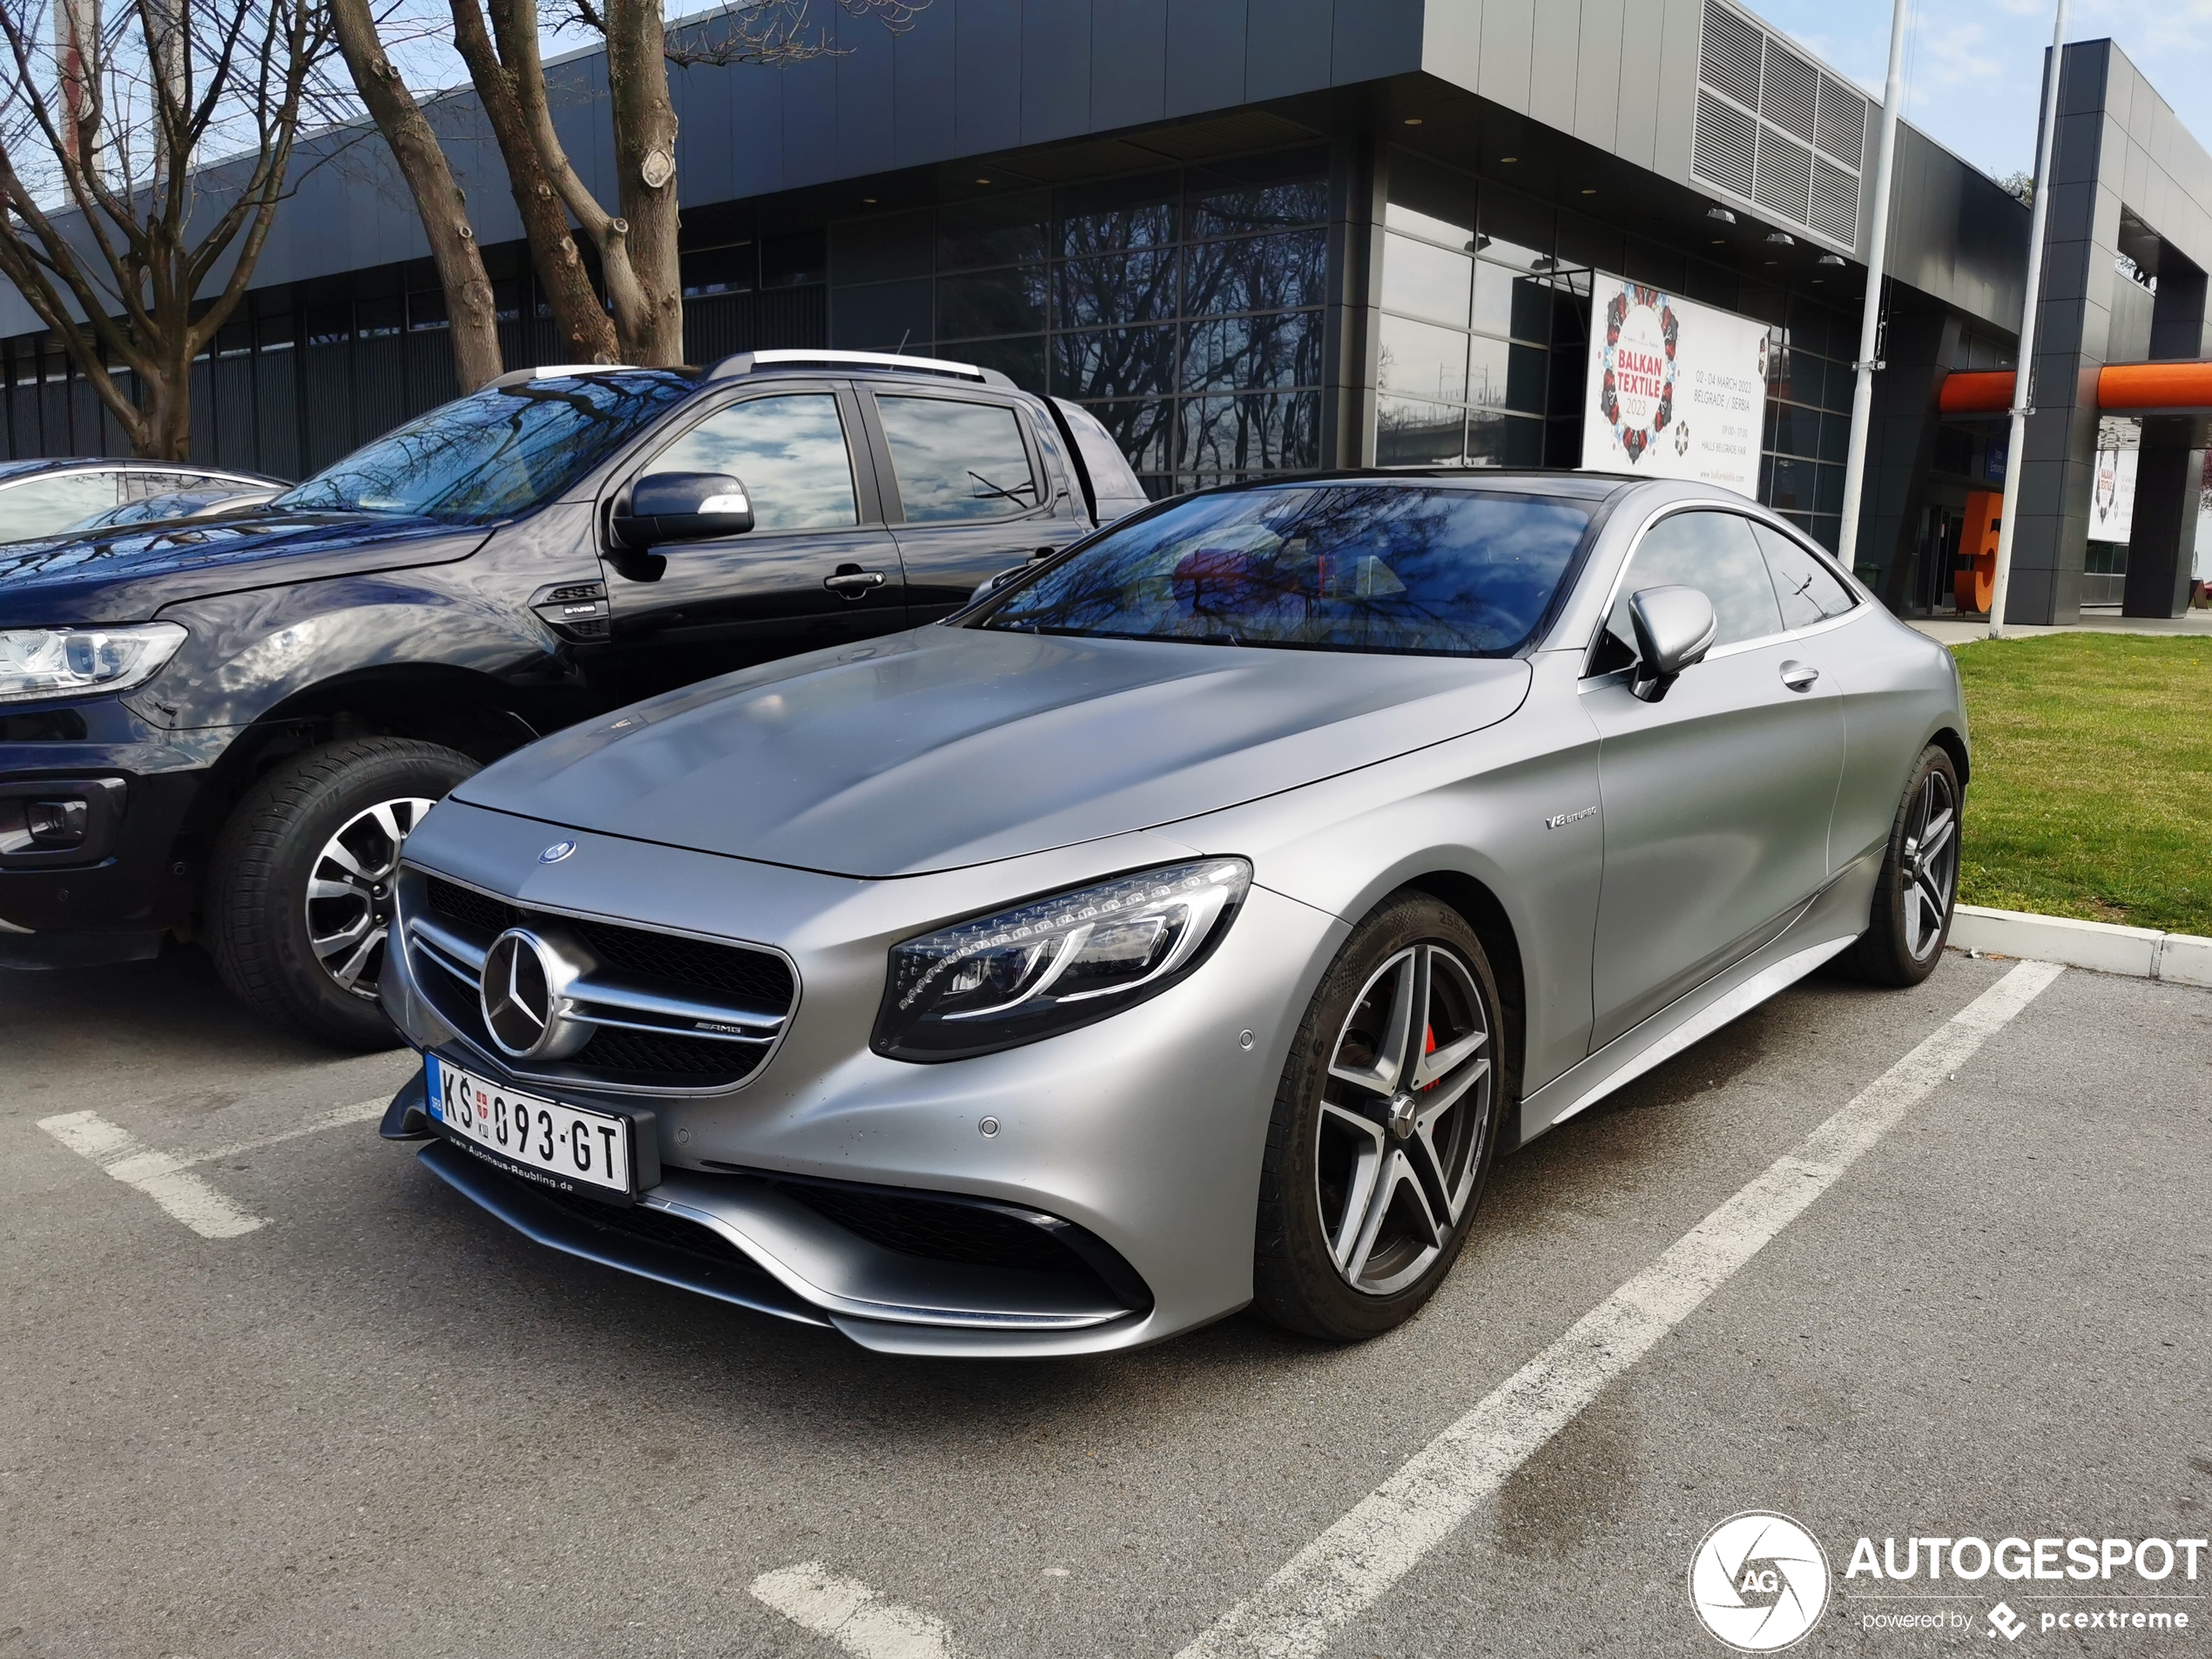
(270, 1389)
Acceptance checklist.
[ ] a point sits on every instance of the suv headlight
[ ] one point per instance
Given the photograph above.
(1054, 963)
(54, 662)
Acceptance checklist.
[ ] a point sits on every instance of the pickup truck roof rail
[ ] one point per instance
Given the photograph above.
(752, 362)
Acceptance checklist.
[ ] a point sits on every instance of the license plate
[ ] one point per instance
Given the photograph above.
(549, 1142)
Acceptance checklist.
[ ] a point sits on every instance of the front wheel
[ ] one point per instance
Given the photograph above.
(299, 897)
(1919, 886)
(1385, 1127)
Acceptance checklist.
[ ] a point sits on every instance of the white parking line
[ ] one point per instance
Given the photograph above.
(165, 1179)
(1297, 1613)
(850, 1614)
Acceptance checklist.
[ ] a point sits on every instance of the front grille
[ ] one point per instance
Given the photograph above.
(471, 908)
(748, 988)
(644, 1052)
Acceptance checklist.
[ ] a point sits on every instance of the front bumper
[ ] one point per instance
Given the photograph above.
(112, 900)
(1145, 1131)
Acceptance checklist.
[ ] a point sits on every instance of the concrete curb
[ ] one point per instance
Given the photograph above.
(2180, 958)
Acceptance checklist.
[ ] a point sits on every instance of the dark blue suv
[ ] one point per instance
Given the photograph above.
(224, 727)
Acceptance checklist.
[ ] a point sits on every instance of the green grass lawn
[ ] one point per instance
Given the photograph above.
(2092, 791)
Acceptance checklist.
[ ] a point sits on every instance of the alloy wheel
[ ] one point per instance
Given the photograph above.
(1405, 1115)
(1929, 870)
(349, 892)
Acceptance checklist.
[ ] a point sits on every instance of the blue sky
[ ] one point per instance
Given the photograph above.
(1973, 68)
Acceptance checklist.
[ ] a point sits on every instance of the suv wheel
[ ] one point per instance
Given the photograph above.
(1386, 1125)
(300, 900)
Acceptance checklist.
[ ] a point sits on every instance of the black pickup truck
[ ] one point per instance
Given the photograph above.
(224, 727)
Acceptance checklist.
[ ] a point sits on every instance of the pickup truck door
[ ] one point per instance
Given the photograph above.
(819, 567)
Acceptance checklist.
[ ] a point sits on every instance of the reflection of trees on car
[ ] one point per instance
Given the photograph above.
(1345, 566)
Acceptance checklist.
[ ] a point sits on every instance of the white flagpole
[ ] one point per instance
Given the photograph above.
(1870, 322)
(2024, 371)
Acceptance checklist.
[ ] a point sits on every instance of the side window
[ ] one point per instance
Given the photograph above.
(41, 506)
(957, 461)
(789, 452)
(1808, 590)
(1712, 552)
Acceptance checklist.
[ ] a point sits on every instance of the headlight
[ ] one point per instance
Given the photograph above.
(1054, 963)
(54, 662)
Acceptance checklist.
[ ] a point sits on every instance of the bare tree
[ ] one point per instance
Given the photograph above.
(106, 229)
(636, 246)
(471, 314)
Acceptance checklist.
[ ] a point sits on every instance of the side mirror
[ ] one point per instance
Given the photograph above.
(682, 507)
(1674, 628)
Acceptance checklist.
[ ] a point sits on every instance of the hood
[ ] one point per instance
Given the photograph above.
(128, 573)
(952, 746)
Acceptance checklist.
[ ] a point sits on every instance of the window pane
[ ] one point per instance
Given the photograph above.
(1713, 553)
(1373, 567)
(1504, 441)
(1506, 376)
(1792, 485)
(1002, 230)
(1263, 432)
(788, 452)
(1113, 362)
(1516, 230)
(1121, 287)
(1792, 431)
(1143, 429)
(1418, 359)
(1426, 281)
(955, 459)
(719, 270)
(1419, 435)
(1809, 592)
(1122, 214)
(1258, 207)
(1232, 353)
(45, 505)
(1001, 302)
(1256, 273)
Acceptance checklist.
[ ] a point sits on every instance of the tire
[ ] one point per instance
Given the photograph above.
(1410, 1175)
(1917, 890)
(311, 964)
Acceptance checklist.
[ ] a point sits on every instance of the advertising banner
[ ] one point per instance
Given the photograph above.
(2112, 495)
(1676, 389)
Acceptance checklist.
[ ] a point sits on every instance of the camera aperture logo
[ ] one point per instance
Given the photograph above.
(1759, 1581)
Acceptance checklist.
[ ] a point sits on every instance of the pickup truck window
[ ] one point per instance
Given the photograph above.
(957, 460)
(788, 452)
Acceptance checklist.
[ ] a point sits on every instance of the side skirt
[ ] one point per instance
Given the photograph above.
(1829, 927)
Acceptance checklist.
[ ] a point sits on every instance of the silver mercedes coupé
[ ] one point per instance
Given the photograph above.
(1190, 923)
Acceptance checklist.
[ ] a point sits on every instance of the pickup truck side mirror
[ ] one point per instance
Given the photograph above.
(682, 507)
(1674, 628)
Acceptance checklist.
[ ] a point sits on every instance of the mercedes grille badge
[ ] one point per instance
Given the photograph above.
(524, 998)
(556, 852)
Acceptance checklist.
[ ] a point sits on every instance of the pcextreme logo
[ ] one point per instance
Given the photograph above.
(1759, 1581)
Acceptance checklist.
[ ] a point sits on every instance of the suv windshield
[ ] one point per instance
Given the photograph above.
(1355, 566)
(493, 453)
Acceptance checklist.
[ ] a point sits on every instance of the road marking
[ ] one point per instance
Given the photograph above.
(851, 1614)
(1349, 1567)
(165, 1179)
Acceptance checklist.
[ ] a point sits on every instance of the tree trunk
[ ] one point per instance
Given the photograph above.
(644, 129)
(587, 335)
(471, 314)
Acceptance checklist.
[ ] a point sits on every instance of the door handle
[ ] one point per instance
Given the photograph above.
(851, 580)
(1799, 677)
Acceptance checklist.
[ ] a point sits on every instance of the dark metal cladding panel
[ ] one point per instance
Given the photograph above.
(1373, 39)
(1055, 69)
(988, 74)
(1289, 46)
(1205, 55)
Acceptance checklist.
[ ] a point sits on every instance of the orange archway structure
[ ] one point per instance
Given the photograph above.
(2123, 388)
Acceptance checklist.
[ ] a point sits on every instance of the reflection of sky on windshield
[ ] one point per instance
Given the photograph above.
(492, 453)
(1364, 567)
(956, 460)
(788, 452)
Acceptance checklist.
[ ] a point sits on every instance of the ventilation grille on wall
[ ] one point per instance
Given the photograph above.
(1776, 130)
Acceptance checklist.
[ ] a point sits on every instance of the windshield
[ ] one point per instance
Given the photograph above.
(493, 453)
(1357, 567)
